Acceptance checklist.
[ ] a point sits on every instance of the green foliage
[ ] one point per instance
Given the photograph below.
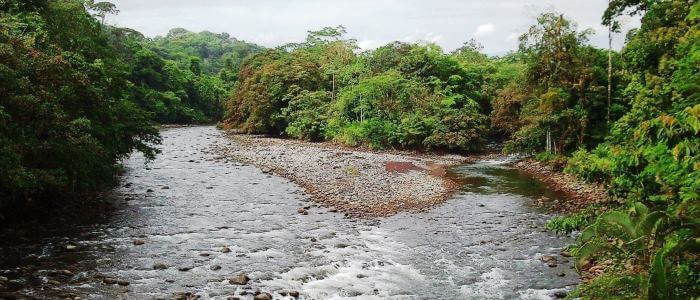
(595, 166)
(183, 77)
(61, 99)
(611, 286)
(390, 97)
(573, 222)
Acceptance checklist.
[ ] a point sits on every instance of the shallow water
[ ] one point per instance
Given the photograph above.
(484, 243)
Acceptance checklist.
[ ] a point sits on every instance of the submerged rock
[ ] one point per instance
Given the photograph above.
(240, 279)
(160, 266)
(263, 296)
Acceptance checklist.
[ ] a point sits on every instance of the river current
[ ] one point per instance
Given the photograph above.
(187, 207)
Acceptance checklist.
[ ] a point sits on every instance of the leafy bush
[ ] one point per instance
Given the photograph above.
(596, 166)
(573, 222)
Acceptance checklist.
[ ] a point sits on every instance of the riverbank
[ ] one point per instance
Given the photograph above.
(360, 183)
(579, 194)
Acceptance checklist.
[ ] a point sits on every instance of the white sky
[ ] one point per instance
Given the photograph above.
(494, 23)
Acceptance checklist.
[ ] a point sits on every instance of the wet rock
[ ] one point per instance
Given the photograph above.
(160, 266)
(165, 188)
(341, 245)
(109, 280)
(333, 210)
(302, 211)
(225, 250)
(560, 294)
(548, 258)
(71, 247)
(205, 254)
(53, 282)
(184, 296)
(294, 294)
(215, 267)
(139, 242)
(185, 269)
(9, 295)
(552, 265)
(562, 274)
(240, 279)
(566, 254)
(263, 296)
(122, 282)
(149, 191)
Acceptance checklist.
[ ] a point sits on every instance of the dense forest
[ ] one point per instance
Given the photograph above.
(74, 87)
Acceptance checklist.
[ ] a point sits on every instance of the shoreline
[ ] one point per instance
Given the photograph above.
(579, 194)
(367, 183)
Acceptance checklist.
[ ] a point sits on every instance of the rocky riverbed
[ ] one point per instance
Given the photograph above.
(194, 224)
(360, 183)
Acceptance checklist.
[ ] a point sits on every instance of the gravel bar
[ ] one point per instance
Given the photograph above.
(358, 182)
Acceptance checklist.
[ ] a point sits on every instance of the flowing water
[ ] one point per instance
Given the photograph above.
(484, 243)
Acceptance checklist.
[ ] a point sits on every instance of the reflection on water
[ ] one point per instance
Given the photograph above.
(202, 221)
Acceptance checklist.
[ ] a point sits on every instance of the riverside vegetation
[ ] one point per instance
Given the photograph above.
(630, 120)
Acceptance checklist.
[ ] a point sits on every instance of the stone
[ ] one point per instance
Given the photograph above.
(263, 296)
(160, 266)
(226, 250)
(184, 269)
(240, 279)
(548, 258)
(294, 294)
(139, 242)
(109, 280)
(165, 188)
(333, 210)
(302, 211)
(566, 254)
(122, 282)
(149, 191)
(71, 247)
(215, 267)
(560, 294)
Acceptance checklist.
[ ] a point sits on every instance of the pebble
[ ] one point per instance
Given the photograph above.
(139, 242)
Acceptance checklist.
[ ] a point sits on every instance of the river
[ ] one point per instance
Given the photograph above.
(186, 207)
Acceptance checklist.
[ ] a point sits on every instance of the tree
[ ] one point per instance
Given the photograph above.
(102, 9)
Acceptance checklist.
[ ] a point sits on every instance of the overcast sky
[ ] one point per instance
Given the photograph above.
(494, 23)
